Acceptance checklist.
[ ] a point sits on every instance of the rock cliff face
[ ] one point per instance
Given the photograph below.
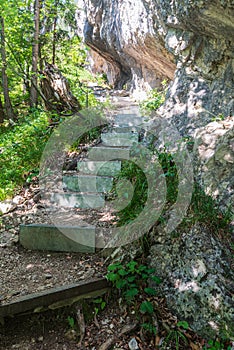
(129, 37)
(189, 42)
(138, 43)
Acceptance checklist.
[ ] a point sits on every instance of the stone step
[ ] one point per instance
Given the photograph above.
(126, 129)
(61, 238)
(99, 168)
(119, 139)
(88, 183)
(82, 200)
(108, 153)
(128, 120)
(134, 109)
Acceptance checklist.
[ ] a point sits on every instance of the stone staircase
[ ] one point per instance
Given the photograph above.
(86, 189)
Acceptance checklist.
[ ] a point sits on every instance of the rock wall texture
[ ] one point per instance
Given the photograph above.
(129, 37)
(138, 43)
(189, 42)
(198, 284)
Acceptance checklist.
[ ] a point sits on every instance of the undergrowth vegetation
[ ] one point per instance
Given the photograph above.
(202, 207)
(21, 146)
(155, 98)
(132, 280)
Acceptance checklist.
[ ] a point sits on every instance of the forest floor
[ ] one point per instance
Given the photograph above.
(23, 272)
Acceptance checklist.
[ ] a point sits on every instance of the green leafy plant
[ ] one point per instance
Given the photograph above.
(132, 280)
(216, 345)
(170, 172)
(130, 171)
(149, 327)
(21, 148)
(155, 99)
(71, 322)
(176, 336)
(100, 305)
(202, 207)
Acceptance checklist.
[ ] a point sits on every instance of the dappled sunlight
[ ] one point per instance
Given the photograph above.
(215, 301)
(182, 286)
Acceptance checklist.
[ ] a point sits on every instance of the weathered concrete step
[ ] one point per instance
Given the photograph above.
(128, 120)
(108, 153)
(133, 109)
(62, 238)
(126, 129)
(99, 168)
(119, 139)
(82, 200)
(88, 183)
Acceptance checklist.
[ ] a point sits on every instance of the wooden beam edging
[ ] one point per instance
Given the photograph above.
(55, 297)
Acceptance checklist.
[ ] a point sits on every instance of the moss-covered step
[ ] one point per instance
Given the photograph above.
(108, 153)
(88, 183)
(119, 139)
(81, 200)
(61, 238)
(111, 168)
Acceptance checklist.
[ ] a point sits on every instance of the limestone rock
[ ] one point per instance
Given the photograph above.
(214, 150)
(188, 42)
(197, 281)
(127, 42)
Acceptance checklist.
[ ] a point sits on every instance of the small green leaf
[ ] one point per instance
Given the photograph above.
(131, 265)
(112, 276)
(183, 324)
(122, 272)
(131, 279)
(120, 284)
(150, 328)
(97, 301)
(131, 293)
(150, 291)
(114, 267)
(103, 305)
(71, 321)
(146, 307)
(156, 279)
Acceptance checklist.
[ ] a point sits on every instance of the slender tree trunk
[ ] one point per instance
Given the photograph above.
(9, 113)
(35, 52)
(2, 113)
(54, 37)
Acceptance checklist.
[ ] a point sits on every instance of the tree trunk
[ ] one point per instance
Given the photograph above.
(35, 51)
(9, 113)
(56, 90)
(2, 113)
(54, 35)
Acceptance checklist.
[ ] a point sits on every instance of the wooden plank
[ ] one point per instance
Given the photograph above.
(54, 297)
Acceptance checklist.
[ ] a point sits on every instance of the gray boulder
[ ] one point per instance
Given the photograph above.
(197, 281)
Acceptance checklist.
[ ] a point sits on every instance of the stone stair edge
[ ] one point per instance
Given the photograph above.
(58, 226)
